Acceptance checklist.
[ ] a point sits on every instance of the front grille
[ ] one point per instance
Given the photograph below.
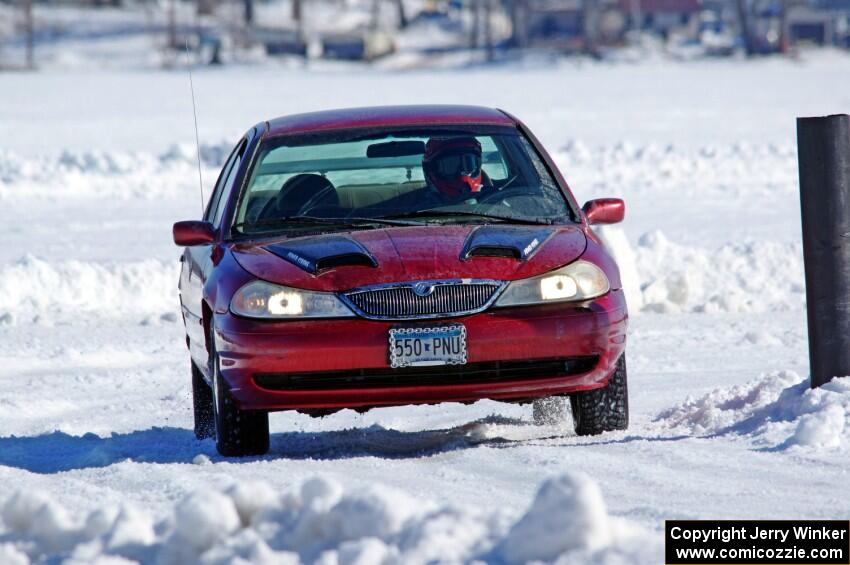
(471, 373)
(435, 299)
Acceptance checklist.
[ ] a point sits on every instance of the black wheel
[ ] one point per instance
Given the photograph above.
(549, 411)
(237, 432)
(202, 399)
(603, 409)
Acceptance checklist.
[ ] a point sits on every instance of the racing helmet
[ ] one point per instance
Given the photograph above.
(453, 165)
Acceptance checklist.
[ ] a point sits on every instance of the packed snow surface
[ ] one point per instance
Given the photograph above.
(97, 456)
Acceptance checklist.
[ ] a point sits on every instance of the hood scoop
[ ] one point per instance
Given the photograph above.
(513, 242)
(317, 254)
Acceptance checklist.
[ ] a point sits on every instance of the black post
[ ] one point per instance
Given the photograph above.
(823, 148)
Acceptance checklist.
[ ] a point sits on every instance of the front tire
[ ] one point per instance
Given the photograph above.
(202, 401)
(237, 432)
(603, 409)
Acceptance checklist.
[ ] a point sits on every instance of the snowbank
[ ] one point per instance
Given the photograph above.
(778, 410)
(737, 277)
(620, 169)
(618, 245)
(114, 174)
(567, 522)
(661, 276)
(737, 169)
(33, 287)
(658, 276)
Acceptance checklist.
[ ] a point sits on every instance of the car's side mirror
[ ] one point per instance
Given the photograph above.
(604, 211)
(193, 232)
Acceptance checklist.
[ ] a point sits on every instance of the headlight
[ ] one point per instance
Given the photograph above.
(259, 299)
(575, 282)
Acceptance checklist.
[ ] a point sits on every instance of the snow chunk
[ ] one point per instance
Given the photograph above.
(204, 518)
(130, 527)
(568, 513)
(9, 555)
(367, 551)
(323, 517)
(37, 515)
(19, 511)
(377, 512)
(821, 429)
(320, 493)
(447, 535)
(251, 498)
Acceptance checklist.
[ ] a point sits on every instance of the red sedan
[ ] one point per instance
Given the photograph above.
(398, 255)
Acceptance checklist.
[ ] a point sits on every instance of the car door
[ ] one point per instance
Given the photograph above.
(198, 260)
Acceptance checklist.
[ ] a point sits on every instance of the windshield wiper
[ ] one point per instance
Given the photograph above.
(464, 213)
(295, 221)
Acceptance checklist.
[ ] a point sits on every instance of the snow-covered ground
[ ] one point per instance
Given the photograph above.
(96, 450)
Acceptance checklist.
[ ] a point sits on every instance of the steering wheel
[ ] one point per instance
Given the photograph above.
(501, 197)
(314, 200)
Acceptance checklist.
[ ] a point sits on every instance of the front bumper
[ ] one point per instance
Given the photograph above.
(253, 352)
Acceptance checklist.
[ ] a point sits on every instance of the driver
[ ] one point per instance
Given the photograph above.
(452, 167)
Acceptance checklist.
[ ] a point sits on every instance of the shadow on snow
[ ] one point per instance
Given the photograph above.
(57, 451)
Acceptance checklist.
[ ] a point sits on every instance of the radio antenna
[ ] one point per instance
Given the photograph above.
(195, 115)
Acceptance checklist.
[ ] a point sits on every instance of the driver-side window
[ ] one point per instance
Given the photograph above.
(494, 161)
(223, 187)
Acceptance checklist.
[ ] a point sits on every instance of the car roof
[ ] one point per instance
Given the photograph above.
(387, 116)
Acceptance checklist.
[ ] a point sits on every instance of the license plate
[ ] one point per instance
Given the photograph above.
(420, 347)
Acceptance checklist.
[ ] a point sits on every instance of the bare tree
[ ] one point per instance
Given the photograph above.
(172, 24)
(29, 30)
(298, 18)
(476, 23)
(376, 14)
(249, 12)
(402, 15)
(745, 26)
(590, 11)
(784, 46)
(488, 29)
(636, 15)
(519, 21)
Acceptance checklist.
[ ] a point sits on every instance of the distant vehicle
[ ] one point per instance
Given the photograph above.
(398, 255)
(278, 41)
(361, 45)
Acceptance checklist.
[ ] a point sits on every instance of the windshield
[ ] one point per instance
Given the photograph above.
(398, 178)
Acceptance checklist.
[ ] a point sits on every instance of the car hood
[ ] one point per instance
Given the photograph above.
(345, 260)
